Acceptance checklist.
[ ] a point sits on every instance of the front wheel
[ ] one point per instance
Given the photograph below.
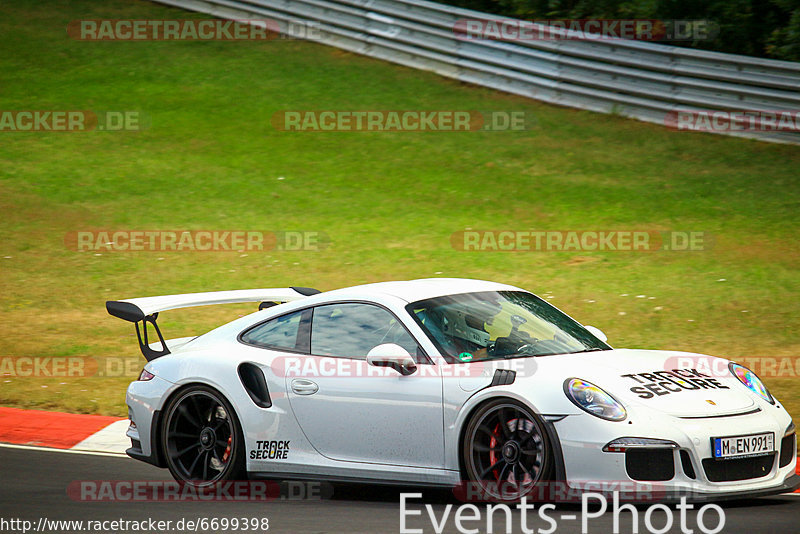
(506, 453)
(202, 438)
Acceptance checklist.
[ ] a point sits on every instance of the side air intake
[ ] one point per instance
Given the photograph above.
(255, 384)
(503, 377)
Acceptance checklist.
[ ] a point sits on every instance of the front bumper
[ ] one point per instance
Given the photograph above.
(589, 468)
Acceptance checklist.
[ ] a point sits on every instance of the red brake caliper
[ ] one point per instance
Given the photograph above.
(492, 454)
(227, 451)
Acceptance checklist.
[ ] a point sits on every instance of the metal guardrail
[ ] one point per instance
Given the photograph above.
(635, 79)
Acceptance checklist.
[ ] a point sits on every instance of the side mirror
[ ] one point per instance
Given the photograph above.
(596, 332)
(394, 356)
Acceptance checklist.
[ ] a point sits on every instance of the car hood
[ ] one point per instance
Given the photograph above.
(682, 384)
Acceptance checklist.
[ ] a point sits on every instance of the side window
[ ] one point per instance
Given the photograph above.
(352, 330)
(289, 332)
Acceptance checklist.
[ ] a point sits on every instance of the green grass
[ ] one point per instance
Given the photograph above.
(389, 202)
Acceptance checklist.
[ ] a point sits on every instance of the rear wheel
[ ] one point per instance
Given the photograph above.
(202, 438)
(506, 453)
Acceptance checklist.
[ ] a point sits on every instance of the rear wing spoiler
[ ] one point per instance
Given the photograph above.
(145, 310)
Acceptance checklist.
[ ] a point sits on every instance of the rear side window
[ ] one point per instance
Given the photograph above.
(287, 332)
(351, 330)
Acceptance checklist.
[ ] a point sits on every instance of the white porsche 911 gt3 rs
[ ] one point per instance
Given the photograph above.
(441, 381)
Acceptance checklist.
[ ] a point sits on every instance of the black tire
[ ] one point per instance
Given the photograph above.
(202, 439)
(505, 452)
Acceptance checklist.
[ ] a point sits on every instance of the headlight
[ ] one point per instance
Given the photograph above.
(594, 400)
(751, 381)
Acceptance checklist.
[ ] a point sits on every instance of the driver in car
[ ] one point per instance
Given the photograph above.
(465, 329)
(472, 340)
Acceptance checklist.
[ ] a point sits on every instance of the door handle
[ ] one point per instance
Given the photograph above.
(302, 386)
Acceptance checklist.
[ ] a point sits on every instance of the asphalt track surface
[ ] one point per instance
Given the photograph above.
(33, 485)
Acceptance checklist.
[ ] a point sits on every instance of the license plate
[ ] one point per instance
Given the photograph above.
(742, 446)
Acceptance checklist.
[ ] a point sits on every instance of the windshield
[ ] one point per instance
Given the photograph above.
(499, 324)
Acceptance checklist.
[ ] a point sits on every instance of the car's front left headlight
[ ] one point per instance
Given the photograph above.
(751, 381)
(594, 400)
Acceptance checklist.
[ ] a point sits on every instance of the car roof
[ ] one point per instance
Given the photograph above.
(425, 288)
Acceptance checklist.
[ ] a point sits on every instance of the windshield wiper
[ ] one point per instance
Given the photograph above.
(514, 355)
(593, 349)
